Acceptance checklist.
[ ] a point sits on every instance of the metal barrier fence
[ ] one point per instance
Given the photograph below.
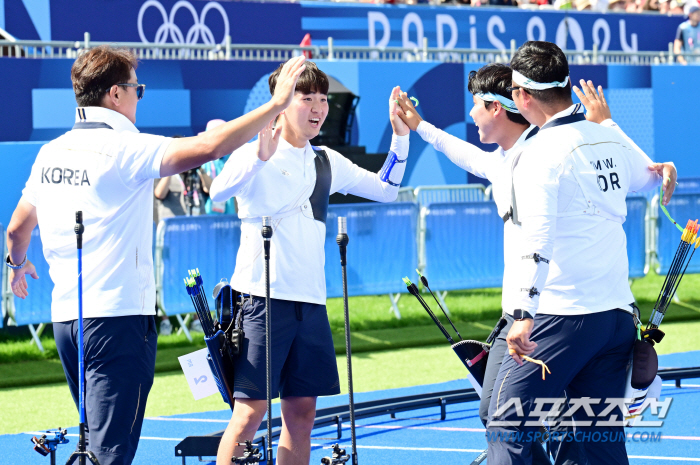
(381, 251)
(209, 243)
(426, 195)
(459, 245)
(36, 308)
(3, 279)
(681, 207)
(635, 227)
(277, 52)
(688, 186)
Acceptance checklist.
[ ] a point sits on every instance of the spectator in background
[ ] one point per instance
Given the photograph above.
(664, 6)
(616, 5)
(208, 172)
(649, 6)
(688, 35)
(676, 7)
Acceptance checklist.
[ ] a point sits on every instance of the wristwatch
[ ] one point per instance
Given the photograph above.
(520, 315)
(9, 264)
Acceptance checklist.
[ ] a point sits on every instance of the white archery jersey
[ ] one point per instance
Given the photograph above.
(281, 184)
(570, 187)
(495, 166)
(105, 170)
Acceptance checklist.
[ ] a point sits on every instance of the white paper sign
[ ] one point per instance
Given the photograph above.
(198, 374)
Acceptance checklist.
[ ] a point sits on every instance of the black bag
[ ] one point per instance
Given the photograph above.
(474, 355)
(645, 362)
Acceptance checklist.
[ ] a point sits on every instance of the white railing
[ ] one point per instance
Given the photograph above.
(328, 51)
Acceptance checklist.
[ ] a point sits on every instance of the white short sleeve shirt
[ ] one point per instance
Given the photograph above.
(105, 168)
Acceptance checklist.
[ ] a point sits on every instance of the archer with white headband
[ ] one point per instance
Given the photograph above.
(509, 130)
(573, 304)
(528, 83)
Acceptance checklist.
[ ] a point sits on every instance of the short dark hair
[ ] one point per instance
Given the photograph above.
(311, 80)
(543, 62)
(96, 71)
(494, 78)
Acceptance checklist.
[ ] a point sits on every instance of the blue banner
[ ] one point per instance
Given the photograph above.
(488, 28)
(201, 21)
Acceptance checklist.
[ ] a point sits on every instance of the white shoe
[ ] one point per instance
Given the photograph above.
(166, 329)
(196, 327)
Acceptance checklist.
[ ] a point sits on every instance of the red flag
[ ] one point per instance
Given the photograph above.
(306, 42)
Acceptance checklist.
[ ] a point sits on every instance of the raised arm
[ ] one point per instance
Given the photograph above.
(463, 154)
(382, 186)
(189, 152)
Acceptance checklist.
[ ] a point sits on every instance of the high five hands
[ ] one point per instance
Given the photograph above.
(407, 111)
(396, 114)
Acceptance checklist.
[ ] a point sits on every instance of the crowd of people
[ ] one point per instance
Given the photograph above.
(669, 7)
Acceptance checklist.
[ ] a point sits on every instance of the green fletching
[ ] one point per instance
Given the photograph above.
(418, 271)
(407, 281)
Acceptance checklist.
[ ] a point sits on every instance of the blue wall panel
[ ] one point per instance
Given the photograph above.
(633, 110)
(676, 119)
(16, 158)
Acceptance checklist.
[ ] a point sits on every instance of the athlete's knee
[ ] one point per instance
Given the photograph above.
(298, 413)
(248, 413)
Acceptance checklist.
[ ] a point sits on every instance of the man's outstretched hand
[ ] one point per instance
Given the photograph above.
(395, 113)
(597, 109)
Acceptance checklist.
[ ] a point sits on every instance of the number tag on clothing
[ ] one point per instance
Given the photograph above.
(218, 207)
(198, 374)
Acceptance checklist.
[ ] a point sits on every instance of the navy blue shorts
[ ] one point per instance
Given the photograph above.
(120, 357)
(303, 357)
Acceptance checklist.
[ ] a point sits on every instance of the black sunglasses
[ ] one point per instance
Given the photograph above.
(511, 89)
(140, 88)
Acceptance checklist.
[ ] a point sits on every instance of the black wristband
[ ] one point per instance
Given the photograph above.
(9, 263)
(519, 315)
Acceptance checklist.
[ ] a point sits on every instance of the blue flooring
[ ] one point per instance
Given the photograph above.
(413, 437)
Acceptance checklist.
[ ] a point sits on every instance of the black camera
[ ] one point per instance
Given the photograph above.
(193, 183)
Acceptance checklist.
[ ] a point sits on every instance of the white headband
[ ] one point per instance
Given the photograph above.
(508, 104)
(528, 83)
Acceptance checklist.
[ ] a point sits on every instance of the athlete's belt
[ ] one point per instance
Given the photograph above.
(304, 209)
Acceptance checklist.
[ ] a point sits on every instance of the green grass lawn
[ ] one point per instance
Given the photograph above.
(50, 406)
(388, 352)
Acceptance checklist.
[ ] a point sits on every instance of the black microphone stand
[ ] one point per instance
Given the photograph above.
(342, 240)
(267, 235)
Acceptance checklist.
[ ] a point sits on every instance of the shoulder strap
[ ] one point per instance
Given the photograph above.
(322, 190)
(91, 125)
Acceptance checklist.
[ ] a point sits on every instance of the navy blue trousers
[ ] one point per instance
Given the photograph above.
(499, 348)
(120, 356)
(587, 356)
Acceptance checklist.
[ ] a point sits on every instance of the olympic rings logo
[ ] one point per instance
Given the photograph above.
(170, 29)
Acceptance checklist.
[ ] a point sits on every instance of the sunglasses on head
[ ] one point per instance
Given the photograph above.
(140, 88)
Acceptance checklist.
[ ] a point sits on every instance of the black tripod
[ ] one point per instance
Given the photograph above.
(339, 456)
(267, 235)
(82, 453)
